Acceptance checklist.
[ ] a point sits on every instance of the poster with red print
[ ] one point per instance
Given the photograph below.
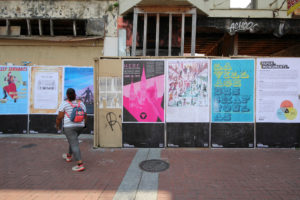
(292, 5)
(143, 91)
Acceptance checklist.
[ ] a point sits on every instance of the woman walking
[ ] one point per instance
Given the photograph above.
(72, 128)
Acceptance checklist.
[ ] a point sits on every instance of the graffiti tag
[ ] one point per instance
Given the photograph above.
(112, 120)
(243, 26)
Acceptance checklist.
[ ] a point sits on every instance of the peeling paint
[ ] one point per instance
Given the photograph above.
(95, 9)
(105, 17)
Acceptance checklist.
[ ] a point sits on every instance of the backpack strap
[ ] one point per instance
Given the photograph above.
(79, 103)
(67, 114)
(71, 103)
(72, 106)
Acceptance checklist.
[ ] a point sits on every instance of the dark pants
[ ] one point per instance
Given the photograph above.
(72, 134)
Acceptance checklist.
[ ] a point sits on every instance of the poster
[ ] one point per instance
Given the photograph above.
(188, 90)
(232, 90)
(143, 91)
(46, 83)
(110, 92)
(278, 90)
(292, 5)
(46, 89)
(14, 89)
(82, 80)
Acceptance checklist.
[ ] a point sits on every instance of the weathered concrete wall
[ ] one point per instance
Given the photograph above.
(271, 4)
(80, 53)
(87, 9)
(219, 4)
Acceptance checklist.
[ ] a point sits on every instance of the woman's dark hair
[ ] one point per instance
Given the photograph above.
(71, 94)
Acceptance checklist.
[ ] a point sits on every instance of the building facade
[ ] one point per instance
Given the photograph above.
(75, 32)
(211, 28)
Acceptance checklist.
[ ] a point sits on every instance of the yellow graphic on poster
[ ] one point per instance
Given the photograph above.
(292, 6)
(46, 89)
(232, 90)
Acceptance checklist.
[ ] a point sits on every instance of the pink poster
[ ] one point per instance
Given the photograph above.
(143, 91)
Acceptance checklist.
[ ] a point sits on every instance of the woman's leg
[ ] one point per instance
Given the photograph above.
(70, 150)
(72, 137)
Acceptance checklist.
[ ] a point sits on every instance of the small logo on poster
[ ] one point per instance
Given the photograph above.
(143, 115)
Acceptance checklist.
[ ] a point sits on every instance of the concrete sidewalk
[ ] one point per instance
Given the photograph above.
(31, 168)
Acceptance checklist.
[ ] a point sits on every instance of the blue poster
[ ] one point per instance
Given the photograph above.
(14, 89)
(232, 90)
(82, 80)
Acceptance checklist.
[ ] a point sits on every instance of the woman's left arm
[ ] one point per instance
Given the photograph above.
(59, 118)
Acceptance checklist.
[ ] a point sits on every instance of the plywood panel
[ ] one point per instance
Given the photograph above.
(110, 68)
(110, 127)
(108, 121)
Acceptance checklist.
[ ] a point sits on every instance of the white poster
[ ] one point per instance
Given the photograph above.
(110, 92)
(188, 90)
(278, 90)
(46, 90)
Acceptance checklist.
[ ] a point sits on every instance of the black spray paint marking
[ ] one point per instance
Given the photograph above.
(111, 119)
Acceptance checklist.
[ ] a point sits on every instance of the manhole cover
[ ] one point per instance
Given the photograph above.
(154, 165)
(28, 145)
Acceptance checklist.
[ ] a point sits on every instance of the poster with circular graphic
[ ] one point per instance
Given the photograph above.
(286, 111)
(277, 90)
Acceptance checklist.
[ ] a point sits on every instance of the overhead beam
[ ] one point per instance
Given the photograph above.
(242, 25)
(163, 9)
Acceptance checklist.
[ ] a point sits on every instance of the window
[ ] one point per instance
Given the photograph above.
(242, 4)
(42, 27)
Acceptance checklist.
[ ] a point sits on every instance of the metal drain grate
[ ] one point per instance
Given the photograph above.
(154, 165)
(28, 146)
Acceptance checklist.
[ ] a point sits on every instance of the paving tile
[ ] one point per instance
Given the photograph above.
(39, 172)
(231, 174)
